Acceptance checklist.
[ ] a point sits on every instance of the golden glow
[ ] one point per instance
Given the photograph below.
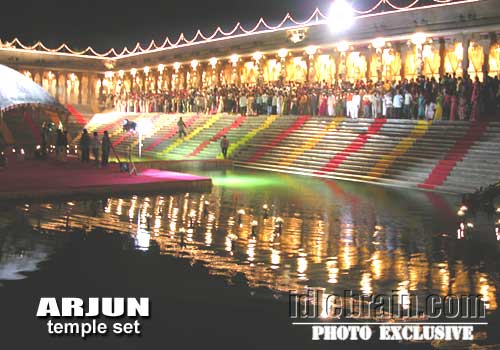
(146, 70)
(234, 59)
(161, 68)
(418, 38)
(378, 43)
(194, 64)
(213, 62)
(133, 72)
(343, 46)
(257, 56)
(177, 66)
(121, 73)
(311, 50)
(282, 53)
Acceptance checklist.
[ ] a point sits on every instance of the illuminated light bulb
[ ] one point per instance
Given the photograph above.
(13, 150)
(177, 66)
(343, 46)
(22, 151)
(418, 38)
(378, 43)
(265, 207)
(282, 53)
(38, 147)
(133, 72)
(213, 62)
(470, 225)
(161, 68)
(341, 16)
(194, 64)
(460, 213)
(146, 70)
(311, 50)
(107, 75)
(257, 56)
(241, 212)
(463, 208)
(234, 59)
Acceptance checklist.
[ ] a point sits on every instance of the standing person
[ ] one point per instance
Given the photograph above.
(421, 106)
(85, 146)
(105, 147)
(397, 104)
(407, 104)
(182, 128)
(60, 149)
(64, 146)
(224, 145)
(95, 147)
(355, 104)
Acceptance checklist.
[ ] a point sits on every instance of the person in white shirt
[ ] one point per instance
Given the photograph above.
(355, 104)
(397, 104)
(407, 103)
(331, 104)
(387, 110)
(430, 109)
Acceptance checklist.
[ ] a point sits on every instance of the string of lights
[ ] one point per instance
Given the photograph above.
(317, 17)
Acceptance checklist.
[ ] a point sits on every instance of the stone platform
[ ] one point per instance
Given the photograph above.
(32, 180)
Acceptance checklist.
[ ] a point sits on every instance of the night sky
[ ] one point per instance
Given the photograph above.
(110, 23)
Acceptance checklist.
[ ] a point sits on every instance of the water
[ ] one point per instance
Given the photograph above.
(335, 235)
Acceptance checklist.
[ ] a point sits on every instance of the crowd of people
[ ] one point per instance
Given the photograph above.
(95, 144)
(450, 98)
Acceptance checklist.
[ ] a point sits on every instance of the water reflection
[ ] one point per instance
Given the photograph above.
(288, 233)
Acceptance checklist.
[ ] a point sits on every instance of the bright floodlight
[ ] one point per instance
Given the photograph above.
(341, 16)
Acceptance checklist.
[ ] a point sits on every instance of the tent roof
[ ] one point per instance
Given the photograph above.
(17, 90)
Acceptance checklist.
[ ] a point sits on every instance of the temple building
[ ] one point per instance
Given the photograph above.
(389, 41)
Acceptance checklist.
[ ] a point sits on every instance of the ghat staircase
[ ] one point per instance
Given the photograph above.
(457, 156)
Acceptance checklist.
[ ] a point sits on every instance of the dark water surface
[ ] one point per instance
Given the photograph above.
(335, 235)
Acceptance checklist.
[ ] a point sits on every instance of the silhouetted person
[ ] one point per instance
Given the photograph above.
(105, 147)
(85, 146)
(182, 127)
(224, 145)
(95, 147)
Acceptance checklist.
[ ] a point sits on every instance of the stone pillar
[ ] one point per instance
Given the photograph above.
(403, 51)
(56, 75)
(101, 88)
(80, 85)
(465, 59)
(368, 54)
(442, 55)
(486, 45)
(89, 89)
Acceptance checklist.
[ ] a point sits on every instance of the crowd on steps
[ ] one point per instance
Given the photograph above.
(450, 98)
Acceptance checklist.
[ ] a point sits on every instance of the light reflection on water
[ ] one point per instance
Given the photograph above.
(335, 235)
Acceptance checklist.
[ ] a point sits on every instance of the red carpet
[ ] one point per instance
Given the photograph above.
(355, 145)
(35, 130)
(170, 133)
(26, 178)
(445, 166)
(264, 149)
(221, 133)
(78, 117)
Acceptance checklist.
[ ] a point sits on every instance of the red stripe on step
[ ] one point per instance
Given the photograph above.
(444, 167)
(35, 130)
(221, 133)
(78, 117)
(264, 149)
(170, 134)
(353, 147)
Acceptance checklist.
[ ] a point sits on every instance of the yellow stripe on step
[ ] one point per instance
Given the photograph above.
(311, 143)
(250, 135)
(192, 134)
(401, 148)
